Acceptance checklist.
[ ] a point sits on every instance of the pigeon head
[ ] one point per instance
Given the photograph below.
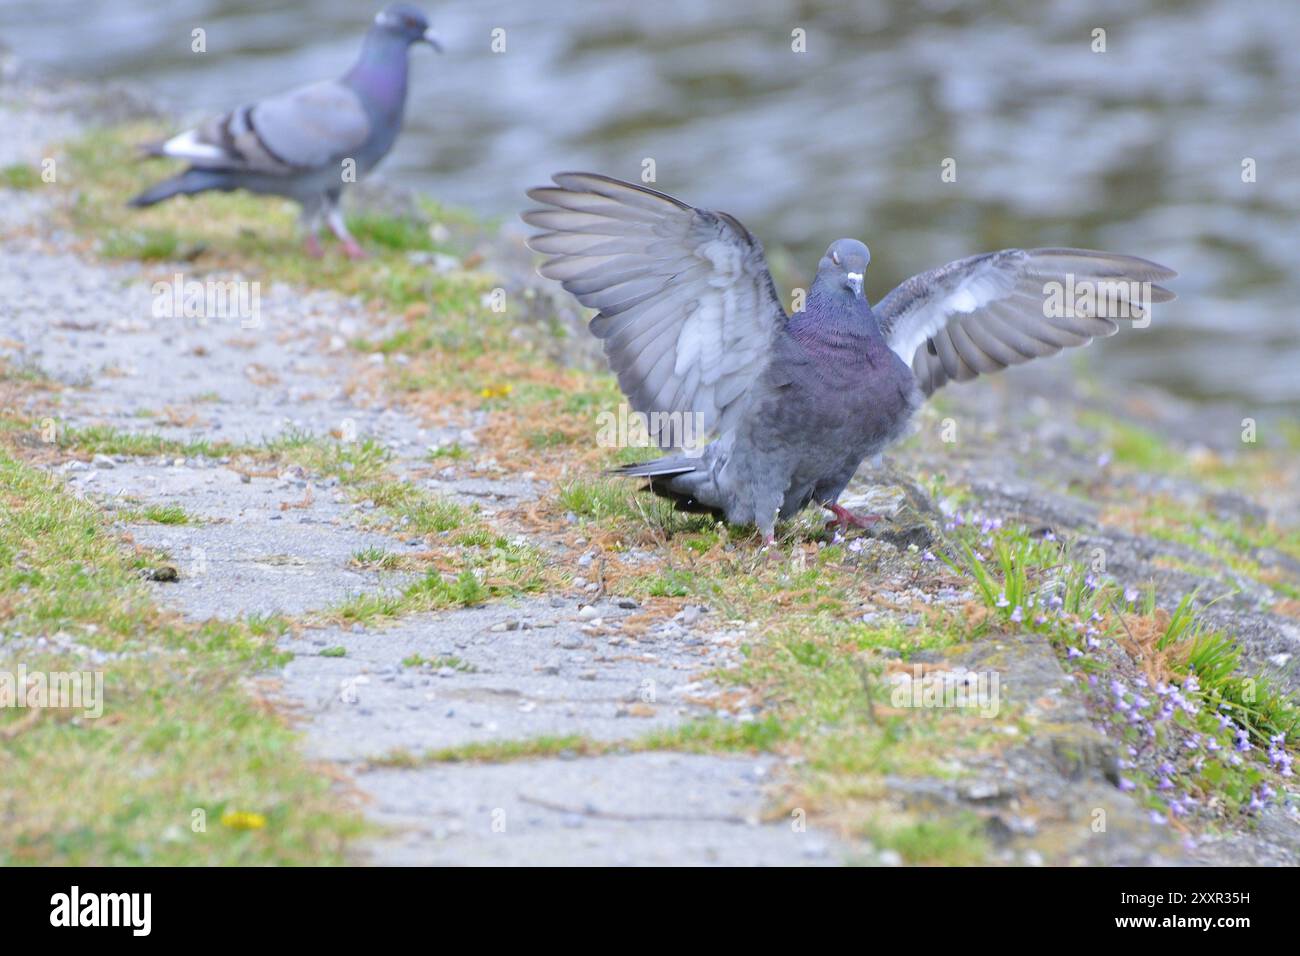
(407, 23)
(845, 266)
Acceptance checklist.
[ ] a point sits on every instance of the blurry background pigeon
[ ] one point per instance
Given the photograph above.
(692, 325)
(299, 144)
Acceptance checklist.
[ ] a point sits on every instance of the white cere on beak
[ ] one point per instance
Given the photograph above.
(855, 280)
(431, 38)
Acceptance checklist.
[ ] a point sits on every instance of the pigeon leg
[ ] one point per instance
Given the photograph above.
(309, 223)
(337, 226)
(845, 519)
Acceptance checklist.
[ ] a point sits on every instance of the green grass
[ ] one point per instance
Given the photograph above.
(618, 499)
(436, 663)
(181, 744)
(490, 572)
(146, 245)
(959, 841)
(705, 736)
(378, 559)
(389, 232)
(103, 440)
(1235, 543)
(1034, 585)
(452, 452)
(1133, 447)
(20, 176)
(166, 514)
(413, 509)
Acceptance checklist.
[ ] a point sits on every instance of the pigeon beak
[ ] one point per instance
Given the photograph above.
(431, 38)
(854, 281)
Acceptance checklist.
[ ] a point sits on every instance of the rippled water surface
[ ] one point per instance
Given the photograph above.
(1138, 149)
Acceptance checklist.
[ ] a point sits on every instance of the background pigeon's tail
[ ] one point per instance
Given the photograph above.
(189, 182)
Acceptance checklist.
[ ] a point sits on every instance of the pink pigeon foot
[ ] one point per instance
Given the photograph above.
(845, 519)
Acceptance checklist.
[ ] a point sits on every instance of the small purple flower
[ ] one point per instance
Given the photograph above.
(1073, 652)
(1016, 614)
(1125, 784)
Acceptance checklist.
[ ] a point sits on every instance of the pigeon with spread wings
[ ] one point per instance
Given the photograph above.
(692, 325)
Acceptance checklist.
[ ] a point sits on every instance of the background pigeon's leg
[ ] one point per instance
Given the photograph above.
(337, 226)
(309, 223)
(845, 519)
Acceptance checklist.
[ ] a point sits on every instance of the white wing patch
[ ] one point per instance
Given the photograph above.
(187, 145)
(701, 334)
(961, 301)
(725, 259)
(704, 333)
(973, 294)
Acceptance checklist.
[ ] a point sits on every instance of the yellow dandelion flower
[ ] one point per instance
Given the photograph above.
(243, 820)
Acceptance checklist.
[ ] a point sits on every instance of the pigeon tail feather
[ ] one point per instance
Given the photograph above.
(187, 183)
(656, 468)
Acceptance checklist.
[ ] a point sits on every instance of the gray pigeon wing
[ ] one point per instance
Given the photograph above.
(687, 307)
(306, 128)
(982, 314)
